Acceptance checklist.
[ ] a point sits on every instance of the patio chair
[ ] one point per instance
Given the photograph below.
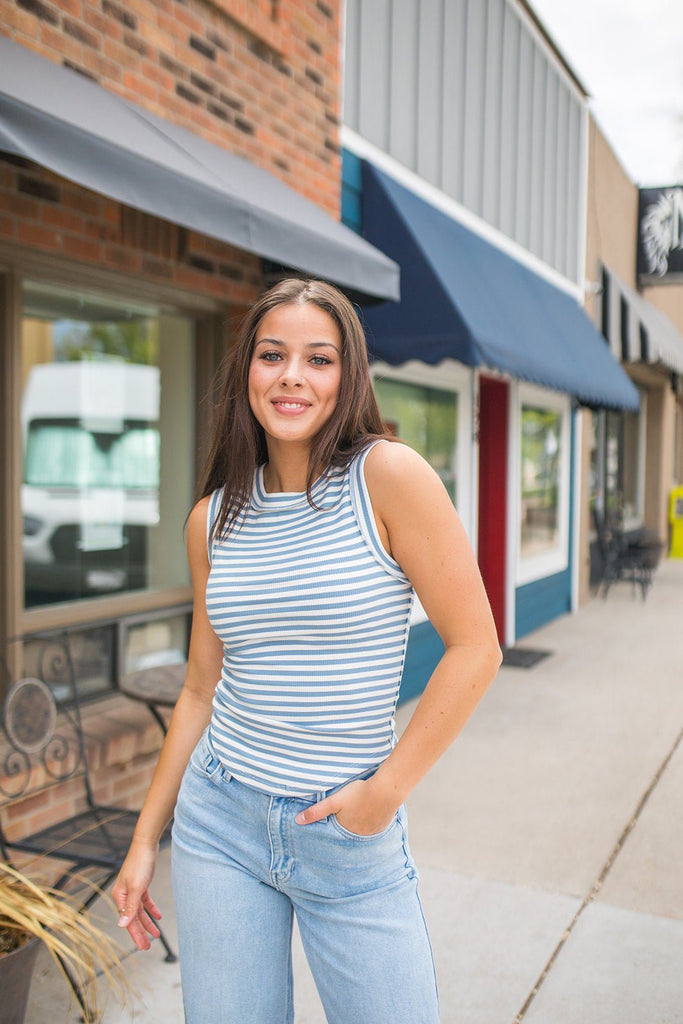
(630, 558)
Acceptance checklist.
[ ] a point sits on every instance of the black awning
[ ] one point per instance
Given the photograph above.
(636, 330)
(463, 298)
(62, 121)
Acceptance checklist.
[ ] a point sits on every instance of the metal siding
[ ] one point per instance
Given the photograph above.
(429, 107)
(492, 112)
(474, 105)
(550, 169)
(374, 63)
(572, 204)
(352, 82)
(537, 182)
(524, 150)
(463, 93)
(404, 72)
(509, 114)
(564, 156)
(454, 77)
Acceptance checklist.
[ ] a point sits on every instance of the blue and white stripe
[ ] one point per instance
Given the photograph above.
(313, 614)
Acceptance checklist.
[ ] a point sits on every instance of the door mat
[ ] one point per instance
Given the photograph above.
(523, 657)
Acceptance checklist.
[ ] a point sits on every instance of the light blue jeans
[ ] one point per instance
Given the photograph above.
(242, 867)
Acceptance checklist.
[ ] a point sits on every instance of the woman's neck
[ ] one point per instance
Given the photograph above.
(286, 471)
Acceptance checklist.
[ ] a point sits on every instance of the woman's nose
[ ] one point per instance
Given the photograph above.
(291, 377)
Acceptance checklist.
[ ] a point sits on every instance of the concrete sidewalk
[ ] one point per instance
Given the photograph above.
(549, 839)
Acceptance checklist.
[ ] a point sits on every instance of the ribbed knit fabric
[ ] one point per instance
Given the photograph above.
(313, 615)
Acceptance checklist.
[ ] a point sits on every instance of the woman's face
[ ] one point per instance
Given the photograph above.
(295, 372)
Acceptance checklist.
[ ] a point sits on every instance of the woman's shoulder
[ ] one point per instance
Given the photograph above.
(200, 511)
(398, 478)
(393, 462)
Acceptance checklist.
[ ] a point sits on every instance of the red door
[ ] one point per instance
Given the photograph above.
(493, 465)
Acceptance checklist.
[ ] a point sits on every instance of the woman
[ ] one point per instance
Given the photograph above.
(304, 549)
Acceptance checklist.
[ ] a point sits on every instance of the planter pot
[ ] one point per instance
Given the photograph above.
(16, 969)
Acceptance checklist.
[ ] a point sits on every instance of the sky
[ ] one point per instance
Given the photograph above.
(628, 54)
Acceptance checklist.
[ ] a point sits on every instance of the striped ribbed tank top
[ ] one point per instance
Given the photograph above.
(314, 616)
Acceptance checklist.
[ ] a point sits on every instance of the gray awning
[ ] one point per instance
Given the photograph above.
(62, 121)
(635, 329)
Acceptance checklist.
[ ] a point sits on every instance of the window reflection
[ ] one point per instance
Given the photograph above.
(107, 432)
(426, 419)
(541, 437)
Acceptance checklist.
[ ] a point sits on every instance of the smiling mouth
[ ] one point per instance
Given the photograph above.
(283, 403)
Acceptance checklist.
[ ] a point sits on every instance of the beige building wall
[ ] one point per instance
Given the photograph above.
(611, 231)
(611, 238)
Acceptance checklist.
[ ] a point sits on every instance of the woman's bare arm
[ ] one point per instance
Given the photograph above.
(424, 534)
(190, 717)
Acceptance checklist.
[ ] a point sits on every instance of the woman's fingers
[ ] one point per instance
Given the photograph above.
(358, 806)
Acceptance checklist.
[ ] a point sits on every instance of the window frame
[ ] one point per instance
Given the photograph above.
(458, 379)
(548, 563)
(212, 327)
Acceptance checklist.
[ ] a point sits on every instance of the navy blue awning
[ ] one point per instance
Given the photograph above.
(464, 299)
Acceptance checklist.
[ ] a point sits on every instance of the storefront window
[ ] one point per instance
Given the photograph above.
(617, 465)
(540, 480)
(426, 419)
(107, 430)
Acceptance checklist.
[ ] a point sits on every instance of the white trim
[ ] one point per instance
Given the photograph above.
(512, 522)
(354, 142)
(577, 504)
(556, 560)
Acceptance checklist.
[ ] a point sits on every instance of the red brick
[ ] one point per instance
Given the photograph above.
(72, 7)
(82, 248)
(7, 225)
(61, 43)
(121, 55)
(35, 234)
(15, 18)
(108, 27)
(83, 201)
(58, 217)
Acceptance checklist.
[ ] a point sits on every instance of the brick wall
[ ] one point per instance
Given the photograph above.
(40, 210)
(259, 77)
(122, 745)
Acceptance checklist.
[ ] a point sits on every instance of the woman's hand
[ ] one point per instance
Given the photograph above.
(361, 807)
(131, 894)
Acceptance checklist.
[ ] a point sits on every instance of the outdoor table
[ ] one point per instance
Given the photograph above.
(157, 687)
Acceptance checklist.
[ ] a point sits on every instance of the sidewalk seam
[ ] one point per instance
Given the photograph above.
(597, 885)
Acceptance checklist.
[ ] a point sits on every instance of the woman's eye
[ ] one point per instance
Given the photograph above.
(320, 361)
(270, 357)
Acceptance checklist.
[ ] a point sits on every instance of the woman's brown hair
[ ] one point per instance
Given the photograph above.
(239, 443)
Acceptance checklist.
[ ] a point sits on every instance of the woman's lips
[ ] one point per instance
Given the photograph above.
(290, 406)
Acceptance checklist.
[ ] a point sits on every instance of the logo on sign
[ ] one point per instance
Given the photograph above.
(661, 231)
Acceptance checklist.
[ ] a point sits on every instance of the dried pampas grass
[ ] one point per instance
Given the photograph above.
(28, 909)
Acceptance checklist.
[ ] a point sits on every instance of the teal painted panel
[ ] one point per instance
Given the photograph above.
(352, 170)
(352, 190)
(425, 648)
(542, 601)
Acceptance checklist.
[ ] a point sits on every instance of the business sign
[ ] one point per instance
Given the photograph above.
(660, 235)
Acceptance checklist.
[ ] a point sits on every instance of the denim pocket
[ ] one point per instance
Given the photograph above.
(203, 761)
(359, 838)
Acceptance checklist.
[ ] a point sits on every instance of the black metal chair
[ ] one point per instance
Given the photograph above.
(43, 757)
(630, 558)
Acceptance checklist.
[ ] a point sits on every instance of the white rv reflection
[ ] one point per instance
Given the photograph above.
(90, 488)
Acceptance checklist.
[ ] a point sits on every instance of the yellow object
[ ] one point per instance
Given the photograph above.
(676, 521)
